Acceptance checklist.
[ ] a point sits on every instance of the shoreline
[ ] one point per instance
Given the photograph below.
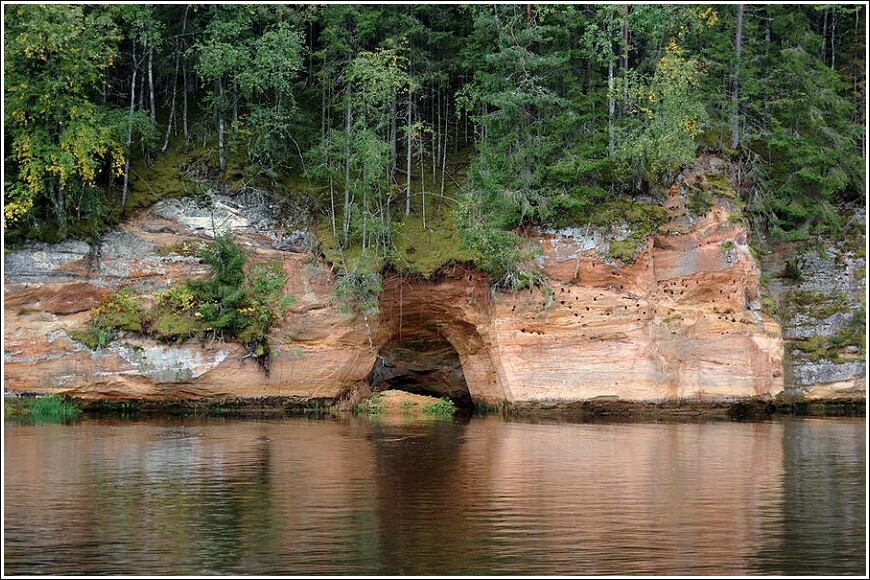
(587, 410)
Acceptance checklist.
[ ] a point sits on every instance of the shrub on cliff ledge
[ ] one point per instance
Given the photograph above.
(240, 305)
(232, 304)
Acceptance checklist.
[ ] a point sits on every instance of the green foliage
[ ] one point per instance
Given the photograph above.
(833, 348)
(820, 306)
(769, 305)
(251, 56)
(221, 297)
(665, 116)
(177, 298)
(60, 136)
(44, 409)
(567, 106)
(359, 291)
(373, 406)
(791, 271)
(806, 137)
(424, 250)
(443, 409)
(232, 304)
(171, 326)
(622, 250)
(700, 201)
(121, 311)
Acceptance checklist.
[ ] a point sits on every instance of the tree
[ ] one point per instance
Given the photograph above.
(665, 116)
(62, 138)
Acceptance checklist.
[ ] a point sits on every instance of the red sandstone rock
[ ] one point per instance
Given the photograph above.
(681, 322)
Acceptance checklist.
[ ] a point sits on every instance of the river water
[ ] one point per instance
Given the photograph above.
(483, 495)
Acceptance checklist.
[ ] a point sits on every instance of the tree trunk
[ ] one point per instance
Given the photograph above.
(174, 85)
(824, 35)
(171, 106)
(833, 34)
(129, 132)
(611, 109)
(184, 113)
(151, 86)
(408, 163)
(59, 210)
(422, 188)
(735, 81)
(393, 151)
(623, 61)
(222, 152)
(444, 149)
(347, 128)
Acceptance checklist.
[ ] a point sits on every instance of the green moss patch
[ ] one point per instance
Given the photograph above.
(820, 306)
(641, 219)
(622, 250)
(166, 177)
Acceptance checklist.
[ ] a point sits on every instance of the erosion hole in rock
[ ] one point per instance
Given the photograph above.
(421, 367)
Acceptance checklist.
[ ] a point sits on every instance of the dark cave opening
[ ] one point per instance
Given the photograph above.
(430, 367)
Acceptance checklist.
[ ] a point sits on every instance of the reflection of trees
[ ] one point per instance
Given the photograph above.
(824, 487)
(190, 505)
(428, 497)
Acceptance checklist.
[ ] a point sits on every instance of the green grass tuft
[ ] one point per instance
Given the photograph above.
(47, 409)
(444, 408)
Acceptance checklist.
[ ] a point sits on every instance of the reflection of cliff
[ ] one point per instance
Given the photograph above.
(301, 497)
(632, 498)
(198, 498)
(823, 496)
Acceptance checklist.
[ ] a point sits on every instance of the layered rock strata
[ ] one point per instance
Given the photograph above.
(683, 321)
(821, 296)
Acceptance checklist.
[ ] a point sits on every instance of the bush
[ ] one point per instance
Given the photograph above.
(791, 271)
(231, 304)
(444, 408)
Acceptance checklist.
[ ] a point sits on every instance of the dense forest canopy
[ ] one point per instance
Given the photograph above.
(555, 109)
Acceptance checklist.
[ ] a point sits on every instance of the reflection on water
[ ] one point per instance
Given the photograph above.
(306, 497)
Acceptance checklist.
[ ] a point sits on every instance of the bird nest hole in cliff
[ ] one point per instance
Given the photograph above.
(423, 367)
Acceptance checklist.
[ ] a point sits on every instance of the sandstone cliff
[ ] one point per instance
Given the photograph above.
(683, 321)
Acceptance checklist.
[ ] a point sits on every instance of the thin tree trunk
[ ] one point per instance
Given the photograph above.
(171, 106)
(422, 187)
(611, 109)
(222, 152)
(408, 163)
(833, 34)
(437, 137)
(444, 149)
(347, 128)
(735, 81)
(184, 113)
(174, 85)
(623, 59)
(59, 210)
(825, 35)
(323, 111)
(151, 86)
(393, 152)
(129, 132)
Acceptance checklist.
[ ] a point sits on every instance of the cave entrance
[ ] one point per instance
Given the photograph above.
(423, 367)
